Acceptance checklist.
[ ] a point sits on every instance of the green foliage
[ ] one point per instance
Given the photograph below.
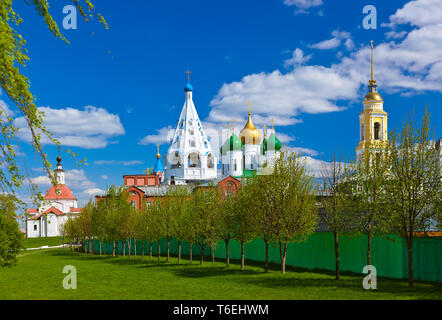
(11, 239)
(13, 58)
(414, 181)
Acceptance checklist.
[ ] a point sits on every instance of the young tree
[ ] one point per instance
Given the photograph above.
(226, 223)
(179, 198)
(11, 239)
(414, 183)
(368, 179)
(335, 200)
(84, 221)
(261, 201)
(204, 210)
(295, 202)
(244, 229)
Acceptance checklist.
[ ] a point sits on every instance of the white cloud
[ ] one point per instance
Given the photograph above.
(316, 167)
(115, 162)
(162, 136)
(418, 13)
(90, 128)
(309, 89)
(41, 181)
(303, 5)
(94, 191)
(298, 58)
(338, 37)
(5, 111)
(104, 177)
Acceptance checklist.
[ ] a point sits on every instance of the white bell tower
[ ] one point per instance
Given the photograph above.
(190, 157)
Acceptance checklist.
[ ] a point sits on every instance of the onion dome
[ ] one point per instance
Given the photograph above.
(232, 144)
(373, 96)
(249, 134)
(273, 143)
(158, 168)
(264, 142)
(188, 87)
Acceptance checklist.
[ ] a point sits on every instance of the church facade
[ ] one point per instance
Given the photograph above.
(57, 206)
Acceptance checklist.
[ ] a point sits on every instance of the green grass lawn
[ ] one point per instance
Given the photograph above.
(39, 242)
(38, 275)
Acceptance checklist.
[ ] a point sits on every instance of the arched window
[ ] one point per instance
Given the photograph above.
(210, 161)
(362, 132)
(194, 160)
(377, 130)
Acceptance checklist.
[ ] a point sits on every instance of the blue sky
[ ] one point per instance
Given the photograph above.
(111, 95)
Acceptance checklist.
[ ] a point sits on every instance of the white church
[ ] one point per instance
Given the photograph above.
(191, 159)
(57, 206)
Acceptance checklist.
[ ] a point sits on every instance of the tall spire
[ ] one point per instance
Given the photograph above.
(158, 152)
(372, 81)
(265, 131)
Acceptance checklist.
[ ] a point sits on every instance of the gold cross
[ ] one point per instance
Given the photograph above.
(188, 75)
(233, 124)
(249, 103)
(265, 131)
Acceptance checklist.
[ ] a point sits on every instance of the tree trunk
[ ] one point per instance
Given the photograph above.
(368, 248)
(337, 253)
(242, 255)
(124, 248)
(168, 248)
(144, 245)
(135, 248)
(213, 254)
(84, 243)
(179, 251)
(284, 257)
(266, 263)
(129, 246)
(410, 262)
(151, 250)
(191, 245)
(202, 254)
(113, 249)
(100, 248)
(94, 247)
(227, 252)
(159, 250)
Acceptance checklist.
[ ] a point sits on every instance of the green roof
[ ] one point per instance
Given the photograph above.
(273, 143)
(232, 144)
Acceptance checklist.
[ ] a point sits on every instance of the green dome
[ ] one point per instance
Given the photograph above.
(273, 143)
(232, 144)
(264, 146)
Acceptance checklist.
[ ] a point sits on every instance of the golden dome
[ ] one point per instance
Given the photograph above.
(249, 134)
(373, 96)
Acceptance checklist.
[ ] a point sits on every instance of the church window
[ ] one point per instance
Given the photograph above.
(192, 143)
(35, 227)
(194, 160)
(236, 166)
(210, 161)
(362, 132)
(377, 130)
(133, 203)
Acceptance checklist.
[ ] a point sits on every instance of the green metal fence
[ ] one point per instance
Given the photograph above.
(389, 255)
